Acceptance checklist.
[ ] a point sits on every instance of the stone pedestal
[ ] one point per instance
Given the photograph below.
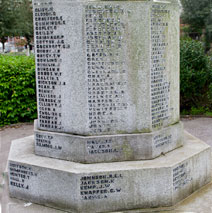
(104, 187)
(108, 135)
(107, 79)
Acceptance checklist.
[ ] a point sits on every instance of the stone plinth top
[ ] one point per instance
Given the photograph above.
(22, 151)
(108, 148)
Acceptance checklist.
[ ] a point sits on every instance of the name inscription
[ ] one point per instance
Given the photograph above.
(49, 46)
(162, 140)
(106, 67)
(46, 141)
(160, 86)
(20, 175)
(101, 147)
(181, 176)
(99, 186)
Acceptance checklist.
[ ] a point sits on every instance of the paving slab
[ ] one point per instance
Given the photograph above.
(199, 127)
(7, 135)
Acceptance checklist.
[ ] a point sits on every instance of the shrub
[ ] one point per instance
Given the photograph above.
(196, 76)
(17, 89)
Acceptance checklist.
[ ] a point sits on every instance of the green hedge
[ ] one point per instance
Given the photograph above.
(196, 77)
(17, 89)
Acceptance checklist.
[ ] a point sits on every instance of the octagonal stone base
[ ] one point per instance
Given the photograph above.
(104, 187)
(108, 148)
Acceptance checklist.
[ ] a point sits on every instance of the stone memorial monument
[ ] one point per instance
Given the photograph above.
(108, 135)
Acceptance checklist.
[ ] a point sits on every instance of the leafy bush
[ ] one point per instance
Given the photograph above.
(196, 76)
(17, 89)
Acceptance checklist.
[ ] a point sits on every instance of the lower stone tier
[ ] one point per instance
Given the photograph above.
(108, 148)
(107, 187)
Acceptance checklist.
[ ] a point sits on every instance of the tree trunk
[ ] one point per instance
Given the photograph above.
(3, 45)
(208, 40)
(29, 42)
(28, 51)
(3, 41)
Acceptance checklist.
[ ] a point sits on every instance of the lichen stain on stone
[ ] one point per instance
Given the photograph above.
(136, 131)
(136, 49)
(124, 0)
(127, 150)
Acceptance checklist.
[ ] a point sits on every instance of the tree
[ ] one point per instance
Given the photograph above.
(16, 19)
(7, 20)
(25, 20)
(198, 15)
(195, 13)
(208, 32)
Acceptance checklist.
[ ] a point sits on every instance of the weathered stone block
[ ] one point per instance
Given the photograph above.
(107, 67)
(107, 148)
(108, 187)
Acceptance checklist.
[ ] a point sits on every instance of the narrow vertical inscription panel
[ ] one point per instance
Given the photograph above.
(160, 85)
(49, 45)
(105, 65)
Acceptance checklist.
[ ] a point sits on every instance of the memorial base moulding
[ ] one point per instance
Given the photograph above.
(108, 148)
(76, 187)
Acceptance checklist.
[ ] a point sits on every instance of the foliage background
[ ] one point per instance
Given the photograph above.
(17, 89)
(16, 19)
(196, 78)
(197, 15)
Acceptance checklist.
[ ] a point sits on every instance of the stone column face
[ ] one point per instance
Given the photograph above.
(107, 67)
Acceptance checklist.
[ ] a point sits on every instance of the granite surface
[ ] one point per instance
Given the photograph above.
(107, 67)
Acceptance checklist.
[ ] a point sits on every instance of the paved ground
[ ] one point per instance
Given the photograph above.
(200, 127)
(199, 202)
(6, 136)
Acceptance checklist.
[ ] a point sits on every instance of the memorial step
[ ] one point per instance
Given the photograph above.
(104, 187)
(108, 148)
